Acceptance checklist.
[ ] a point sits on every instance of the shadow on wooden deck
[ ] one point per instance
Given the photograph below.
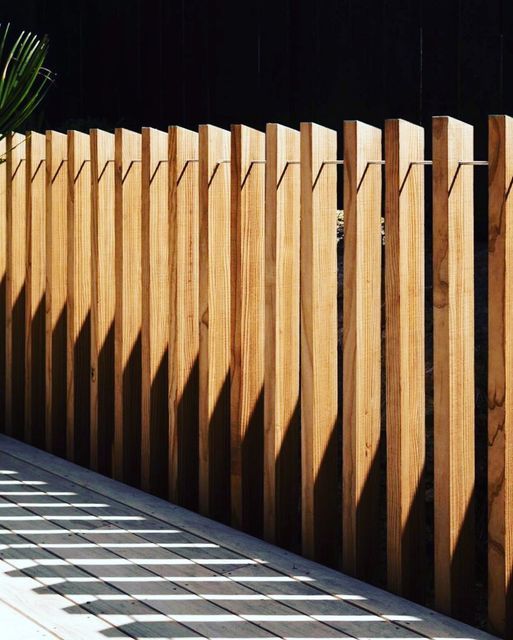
(83, 556)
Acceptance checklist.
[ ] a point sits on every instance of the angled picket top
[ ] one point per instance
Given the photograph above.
(173, 315)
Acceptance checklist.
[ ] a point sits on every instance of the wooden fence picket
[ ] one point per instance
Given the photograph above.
(214, 313)
(453, 354)
(282, 445)
(361, 347)
(16, 286)
(127, 321)
(500, 377)
(56, 291)
(103, 299)
(319, 384)
(35, 189)
(405, 360)
(155, 311)
(247, 301)
(79, 298)
(183, 316)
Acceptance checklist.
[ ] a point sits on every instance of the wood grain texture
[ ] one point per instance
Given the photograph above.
(3, 279)
(16, 286)
(282, 446)
(361, 347)
(103, 299)
(36, 288)
(56, 291)
(214, 312)
(155, 311)
(183, 316)
(127, 323)
(500, 377)
(319, 383)
(453, 354)
(79, 298)
(405, 358)
(248, 325)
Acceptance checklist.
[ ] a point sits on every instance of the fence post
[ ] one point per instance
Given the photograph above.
(56, 291)
(79, 298)
(319, 384)
(214, 311)
(282, 446)
(361, 347)
(453, 355)
(155, 311)
(405, 360)
(500, 377)
(127, 322)
(36, 285)
(16, 285)
(3, 280)
(247, 303)
(103, 299)
(183, 316)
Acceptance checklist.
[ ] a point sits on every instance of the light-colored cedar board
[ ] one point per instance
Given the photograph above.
(155, 311)
(500, 376)
(405, 358)
(453, 357)
(56, 292)
(319, 375)
(361, 348)
(214, 313)
(351, 620)
(103, 299)
(423, 621)
(3, 280)
(247, 326)
(16, 286)
(127, 322)
(20, 625)
(183, 316)
(36, 287)
(282, 445)
(78, 344)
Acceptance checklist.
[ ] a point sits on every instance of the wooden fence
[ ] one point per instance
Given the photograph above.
(154, 285)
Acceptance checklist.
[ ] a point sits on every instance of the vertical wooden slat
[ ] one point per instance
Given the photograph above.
(3, 279)
(247, 291)
(319, 393)
(56, 291)
(103, 299)
(127, 329)
(405, 360)
(36, 286)
(500, 377)
(361, 347)
(214, 311)
(16, 288)
(282, 467)
(79, 298)
(155, 311)
(453, 341)
(183, 316)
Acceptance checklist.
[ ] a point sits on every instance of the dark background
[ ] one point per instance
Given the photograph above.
(157, 62)
(136, 63)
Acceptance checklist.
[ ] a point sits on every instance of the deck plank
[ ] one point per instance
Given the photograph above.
(209, 588)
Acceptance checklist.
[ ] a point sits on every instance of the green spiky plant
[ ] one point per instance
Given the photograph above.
(24, 81)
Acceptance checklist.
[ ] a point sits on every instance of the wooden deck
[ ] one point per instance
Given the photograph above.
(82, 556)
